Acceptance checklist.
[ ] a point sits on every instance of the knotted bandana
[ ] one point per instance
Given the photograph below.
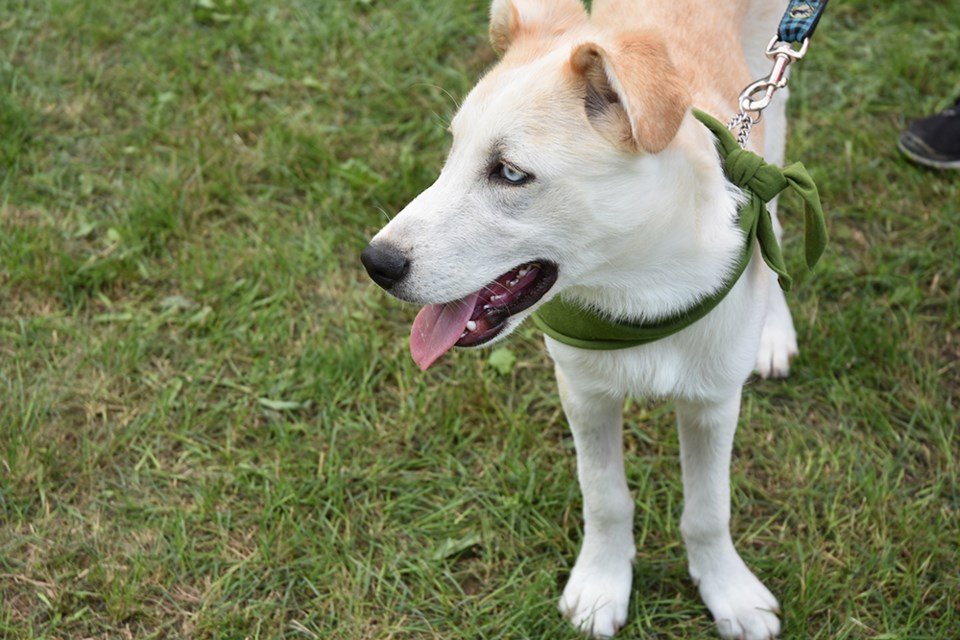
(760, 182)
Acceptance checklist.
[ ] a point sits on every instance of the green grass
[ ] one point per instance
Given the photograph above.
(210, 426)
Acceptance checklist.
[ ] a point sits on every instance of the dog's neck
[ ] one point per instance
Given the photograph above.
(689, 241)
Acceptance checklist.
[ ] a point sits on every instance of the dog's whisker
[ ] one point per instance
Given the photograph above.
(445, 121)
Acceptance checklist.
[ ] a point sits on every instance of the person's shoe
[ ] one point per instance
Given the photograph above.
(934, 141)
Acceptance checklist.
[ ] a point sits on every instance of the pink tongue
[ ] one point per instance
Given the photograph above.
(438, 327)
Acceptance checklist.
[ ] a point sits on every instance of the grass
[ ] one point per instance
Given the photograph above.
(209, 424)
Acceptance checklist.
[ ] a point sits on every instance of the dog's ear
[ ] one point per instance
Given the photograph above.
(512, 19)
(633, 91)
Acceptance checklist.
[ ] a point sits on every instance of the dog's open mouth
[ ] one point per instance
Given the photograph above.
(479, 317)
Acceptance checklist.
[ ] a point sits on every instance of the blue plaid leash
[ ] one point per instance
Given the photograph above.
(796, 27)
(800, 20)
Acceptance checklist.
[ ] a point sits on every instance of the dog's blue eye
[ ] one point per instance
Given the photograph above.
(511, 175)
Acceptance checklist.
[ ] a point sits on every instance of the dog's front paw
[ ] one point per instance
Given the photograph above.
(778, 340)
(596, 596)
(742, 606)
(776, 349)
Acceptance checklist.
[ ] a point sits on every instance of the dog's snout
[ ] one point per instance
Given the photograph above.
(385, 263)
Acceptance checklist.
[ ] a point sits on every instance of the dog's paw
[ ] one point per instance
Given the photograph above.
(778, 340)
(776, 349)
(742, 606)
(596, 596)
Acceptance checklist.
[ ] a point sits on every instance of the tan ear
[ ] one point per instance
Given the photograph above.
(633, 86)
(511, 20)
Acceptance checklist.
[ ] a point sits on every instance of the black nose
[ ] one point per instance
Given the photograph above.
(385, 264)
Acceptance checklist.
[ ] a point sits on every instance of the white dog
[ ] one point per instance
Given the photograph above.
(578, 170)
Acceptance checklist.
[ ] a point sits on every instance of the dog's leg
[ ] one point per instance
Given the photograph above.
(742, 607)
(778, 340)
(596, 596)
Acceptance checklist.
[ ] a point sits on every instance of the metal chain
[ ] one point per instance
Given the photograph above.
(744, 123)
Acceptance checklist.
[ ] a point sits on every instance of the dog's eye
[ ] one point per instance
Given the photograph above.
(511, 175)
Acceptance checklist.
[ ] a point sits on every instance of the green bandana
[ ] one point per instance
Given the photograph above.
(761, 182)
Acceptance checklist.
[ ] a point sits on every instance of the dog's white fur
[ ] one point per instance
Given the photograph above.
(629, 199)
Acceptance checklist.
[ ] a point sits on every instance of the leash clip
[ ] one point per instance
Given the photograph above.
(758, 95)
(783, 56)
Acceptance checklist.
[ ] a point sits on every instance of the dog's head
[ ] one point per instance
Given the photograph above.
(532, 194)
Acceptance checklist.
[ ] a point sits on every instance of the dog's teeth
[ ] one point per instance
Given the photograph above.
(496, 297)
(486, 307)
(523, 271)
(463, 335)
(471, 325)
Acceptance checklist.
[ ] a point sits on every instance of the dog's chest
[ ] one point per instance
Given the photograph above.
(664, 369)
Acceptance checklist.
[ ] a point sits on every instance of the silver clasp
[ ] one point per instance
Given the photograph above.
(757, 96)
(782, 55)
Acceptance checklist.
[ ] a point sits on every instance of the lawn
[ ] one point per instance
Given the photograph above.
(210, 426)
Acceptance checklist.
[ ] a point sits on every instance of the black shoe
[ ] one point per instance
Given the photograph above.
(934, 141)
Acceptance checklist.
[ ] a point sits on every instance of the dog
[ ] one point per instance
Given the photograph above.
(578, 169)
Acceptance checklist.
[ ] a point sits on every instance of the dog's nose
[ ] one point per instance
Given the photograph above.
(385, 263)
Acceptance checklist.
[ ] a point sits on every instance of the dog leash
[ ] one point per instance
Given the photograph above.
(578, 326)
(796, 27)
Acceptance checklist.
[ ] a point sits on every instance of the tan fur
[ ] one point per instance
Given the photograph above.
(541, 19)
(696, 59)
(649, 90)
(702, 38)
